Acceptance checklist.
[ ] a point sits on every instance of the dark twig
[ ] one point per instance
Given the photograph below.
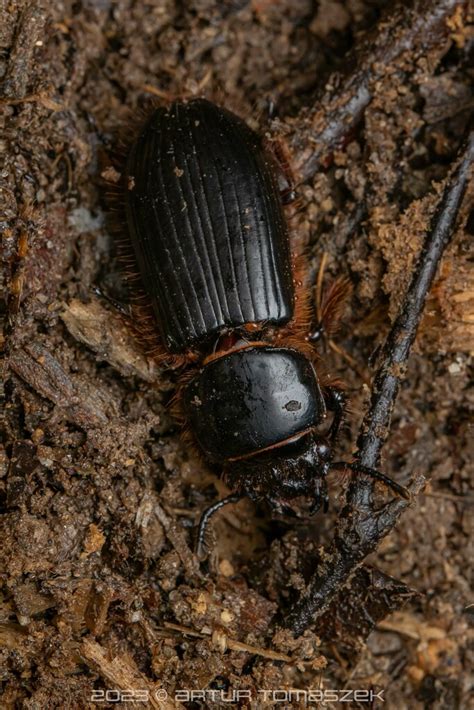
(416, 28)
(361, 527)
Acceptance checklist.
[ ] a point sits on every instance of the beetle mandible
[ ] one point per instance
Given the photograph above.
(205, 216)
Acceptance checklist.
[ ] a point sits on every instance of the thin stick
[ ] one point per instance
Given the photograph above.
(232, 644)
(416, 28)
(360, 526)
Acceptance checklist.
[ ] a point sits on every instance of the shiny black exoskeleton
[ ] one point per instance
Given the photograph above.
(275, 398)
(206, 222)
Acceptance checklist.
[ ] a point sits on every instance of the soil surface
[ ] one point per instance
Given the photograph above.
(100, 590)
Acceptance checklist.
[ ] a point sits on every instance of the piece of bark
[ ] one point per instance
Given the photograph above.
(98, 607)
(121, 673)
(108, 336)
(85, 406)
(356, 610)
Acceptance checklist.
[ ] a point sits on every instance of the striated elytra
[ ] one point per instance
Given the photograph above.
(208, 231)
(206, 224)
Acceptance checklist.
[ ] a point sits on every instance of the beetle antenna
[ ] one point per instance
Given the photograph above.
(377, 475)
(206, 516)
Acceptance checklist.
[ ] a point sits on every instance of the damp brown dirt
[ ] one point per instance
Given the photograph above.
(101, 595)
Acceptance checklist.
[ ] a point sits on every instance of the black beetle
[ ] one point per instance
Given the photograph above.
(208, 231)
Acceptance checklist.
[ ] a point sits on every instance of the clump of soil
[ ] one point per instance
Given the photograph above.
(100, 588)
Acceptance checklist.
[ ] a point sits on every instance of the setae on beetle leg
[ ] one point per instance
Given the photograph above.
(373, 473)
(205, 518)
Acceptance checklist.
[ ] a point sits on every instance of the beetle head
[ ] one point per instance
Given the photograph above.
(280, 475)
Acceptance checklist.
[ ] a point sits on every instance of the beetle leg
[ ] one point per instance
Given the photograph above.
(123, 308)
(317, 499)
(321, 496)
(325, 496)
(336, 400)
(281, 508)
(206, 516)
(288, 511)
(275, 505)
(330, 303)
(377, 475)
(281, 156)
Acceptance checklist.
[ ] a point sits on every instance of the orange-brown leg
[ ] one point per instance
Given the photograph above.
(330, 305)
(335, 399)
(278, 150)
